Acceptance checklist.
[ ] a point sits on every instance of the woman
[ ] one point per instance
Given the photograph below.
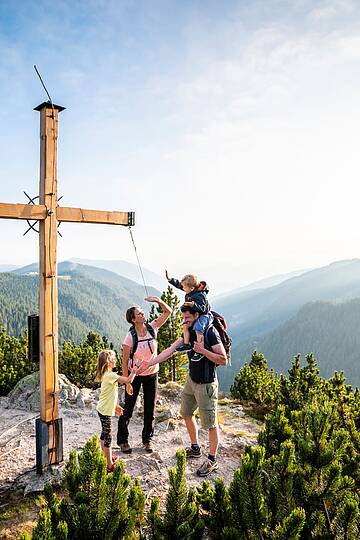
(139, 346)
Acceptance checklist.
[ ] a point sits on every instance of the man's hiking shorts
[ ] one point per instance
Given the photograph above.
(202, 396)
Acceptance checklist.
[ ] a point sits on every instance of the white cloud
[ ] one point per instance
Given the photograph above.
(349, 46)
(240, 151)
(329, 9)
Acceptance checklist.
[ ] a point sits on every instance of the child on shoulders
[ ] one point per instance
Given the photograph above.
(107, 404)
(196, 292)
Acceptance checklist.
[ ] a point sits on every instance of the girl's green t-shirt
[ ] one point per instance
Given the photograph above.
(108, 394)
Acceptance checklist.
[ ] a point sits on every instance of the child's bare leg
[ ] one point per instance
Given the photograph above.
(186, 339)
(199, 337)
(108, 455)
(186, 334)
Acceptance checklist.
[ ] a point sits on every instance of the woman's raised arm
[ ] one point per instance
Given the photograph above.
(167, 311)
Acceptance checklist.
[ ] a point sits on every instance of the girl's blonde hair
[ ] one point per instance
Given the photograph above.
(103, 363)
(191, 280)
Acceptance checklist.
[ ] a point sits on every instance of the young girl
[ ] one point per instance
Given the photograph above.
(107, 405)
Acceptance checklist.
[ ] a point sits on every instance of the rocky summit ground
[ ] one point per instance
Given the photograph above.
(77, 408)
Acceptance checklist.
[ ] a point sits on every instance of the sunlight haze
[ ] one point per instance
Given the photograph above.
(231, 129)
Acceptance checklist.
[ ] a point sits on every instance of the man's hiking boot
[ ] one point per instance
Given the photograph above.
(207, 467)
(149, 447)
(126, 448)
(191, 453)
(184, 348)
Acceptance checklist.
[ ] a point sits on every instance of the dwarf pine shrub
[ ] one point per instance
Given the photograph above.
(302, 482)
(256, 383)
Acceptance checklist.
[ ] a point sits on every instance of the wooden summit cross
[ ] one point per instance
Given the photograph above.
(49, 440)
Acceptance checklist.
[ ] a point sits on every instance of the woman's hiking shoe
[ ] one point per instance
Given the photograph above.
(114, 458)
(207, 467)
(111, 468)
(191, 453)
(149, 447)
(184, 348)
(126, 448)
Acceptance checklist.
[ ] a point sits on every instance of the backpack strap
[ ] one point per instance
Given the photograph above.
(135, 341)
(207, 363)
(151, 330)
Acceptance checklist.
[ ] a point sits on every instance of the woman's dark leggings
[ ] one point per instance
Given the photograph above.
(149, 384)
(105, 429)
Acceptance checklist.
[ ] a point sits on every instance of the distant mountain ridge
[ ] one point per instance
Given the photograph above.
(263, 283)
(277, 319)
(128, 270)
(256, 312)
(302, 314)
(8, 267)
(329, 330)
(90, 299)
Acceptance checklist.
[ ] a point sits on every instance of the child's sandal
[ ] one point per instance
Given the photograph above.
(111, 468)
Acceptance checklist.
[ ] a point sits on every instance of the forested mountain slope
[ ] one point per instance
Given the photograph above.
(330, 330)
(90, 299)
(257, 312)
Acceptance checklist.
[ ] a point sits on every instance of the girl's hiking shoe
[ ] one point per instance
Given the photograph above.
(207, 467)
(184, 348)
(114, 458)
(111, 468)
(191, 453)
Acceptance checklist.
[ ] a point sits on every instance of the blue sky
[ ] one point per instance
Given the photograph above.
(231, 128)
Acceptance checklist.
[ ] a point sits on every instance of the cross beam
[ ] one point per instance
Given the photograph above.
(49, 432)
(65, 214)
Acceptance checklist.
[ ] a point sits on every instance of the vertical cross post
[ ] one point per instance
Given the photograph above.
(49, 439)
(49, 426)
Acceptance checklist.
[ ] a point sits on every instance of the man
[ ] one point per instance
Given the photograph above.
(200, 389)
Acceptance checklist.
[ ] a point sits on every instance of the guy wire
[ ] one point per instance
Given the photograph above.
(137, 257)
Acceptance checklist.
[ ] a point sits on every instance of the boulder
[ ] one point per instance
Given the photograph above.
(26, 393)
(170, 389)
(165, 413)
(80, 402)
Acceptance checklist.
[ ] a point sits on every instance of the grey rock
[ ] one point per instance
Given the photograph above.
(64, 395)
(170, 389)
(156, 455)
(71, 413)
(178, 440)
(166, 414)
(33, 483)
(80, 402)
(162, 427)
(26, 393)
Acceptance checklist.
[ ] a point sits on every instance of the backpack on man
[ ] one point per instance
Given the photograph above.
(219, 323)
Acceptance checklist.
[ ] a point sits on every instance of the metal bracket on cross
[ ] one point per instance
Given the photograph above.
(32, 224)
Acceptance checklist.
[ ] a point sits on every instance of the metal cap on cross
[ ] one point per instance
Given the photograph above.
(49, 431)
